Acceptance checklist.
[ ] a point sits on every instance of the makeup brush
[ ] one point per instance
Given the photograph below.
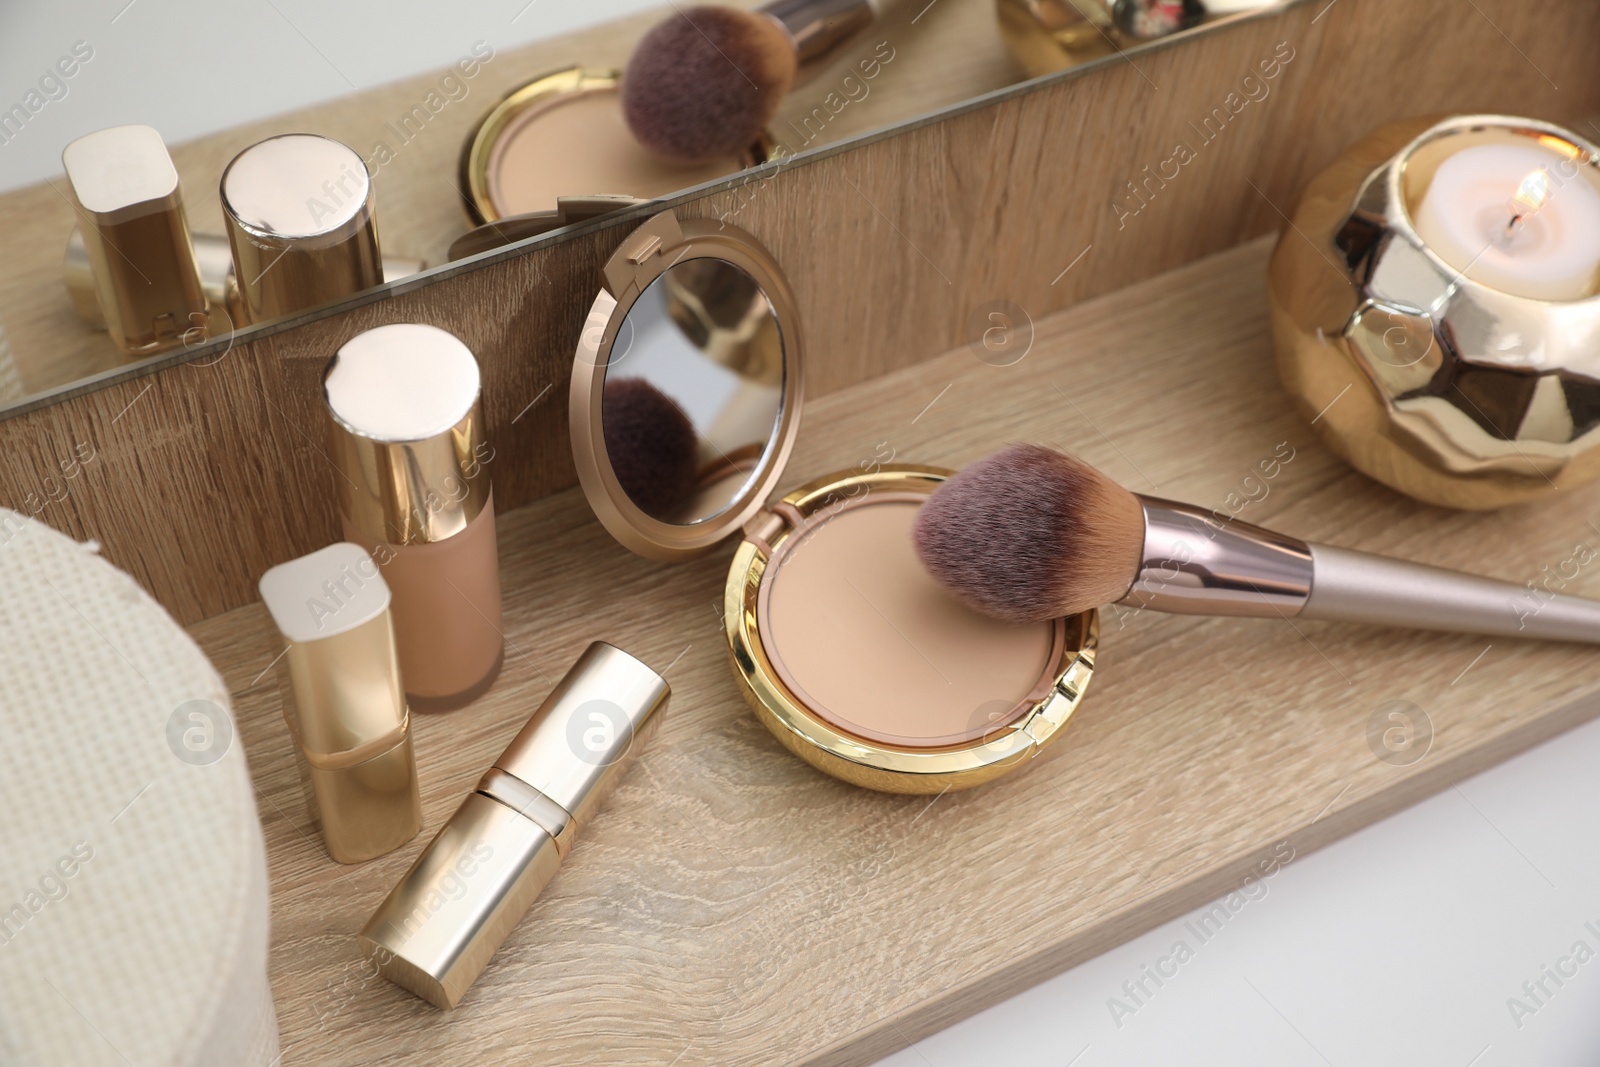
(1030, 534)
(702, 83)
(652, 445)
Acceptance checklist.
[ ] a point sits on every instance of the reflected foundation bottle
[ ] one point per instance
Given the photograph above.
(406, 435)
(302, 223)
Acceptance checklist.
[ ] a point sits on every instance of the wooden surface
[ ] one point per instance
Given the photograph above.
(896, 248)
(952, 54)
(732, 906)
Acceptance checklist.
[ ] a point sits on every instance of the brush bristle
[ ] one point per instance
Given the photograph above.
(1030, 534)
(651, 444)
(703, 83)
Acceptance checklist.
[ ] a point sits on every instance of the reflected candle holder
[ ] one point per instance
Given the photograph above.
(1461, 374)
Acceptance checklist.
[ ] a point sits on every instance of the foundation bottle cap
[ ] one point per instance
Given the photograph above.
(298, 186)
(407, 434)
(302, 223)
(344, 704)
(439, 926)
(136, 238)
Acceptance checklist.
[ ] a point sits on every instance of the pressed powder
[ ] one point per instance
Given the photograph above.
(577, 144)
(858, 630)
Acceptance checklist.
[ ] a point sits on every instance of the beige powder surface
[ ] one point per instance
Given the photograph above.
(863, 635)
(579, 145)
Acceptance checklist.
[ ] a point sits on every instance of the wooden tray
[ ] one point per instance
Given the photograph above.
(735, 907)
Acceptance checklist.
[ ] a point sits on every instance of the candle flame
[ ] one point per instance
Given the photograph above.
(1531, 195)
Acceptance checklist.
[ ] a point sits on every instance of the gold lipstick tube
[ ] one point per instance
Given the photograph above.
(437, 929)
(302, 222)
(136, 237)
(344, 706)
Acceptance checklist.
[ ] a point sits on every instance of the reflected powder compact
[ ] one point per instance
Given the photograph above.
(563, 135)
(845, 648)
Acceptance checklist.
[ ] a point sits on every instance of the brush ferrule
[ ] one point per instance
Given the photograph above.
(1194, 563)
(817, 26)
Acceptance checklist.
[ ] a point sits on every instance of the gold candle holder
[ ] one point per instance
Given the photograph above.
(1444, 388)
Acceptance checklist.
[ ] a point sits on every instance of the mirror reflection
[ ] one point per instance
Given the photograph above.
(290, 155)
(693, 391)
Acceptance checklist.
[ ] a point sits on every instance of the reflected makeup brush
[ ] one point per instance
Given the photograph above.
(651, 444)
(1030, 534)
(701, 85)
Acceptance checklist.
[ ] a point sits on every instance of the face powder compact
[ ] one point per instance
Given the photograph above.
(563, 135)
(685, 404)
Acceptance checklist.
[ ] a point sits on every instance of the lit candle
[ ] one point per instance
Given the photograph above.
(1519, 218)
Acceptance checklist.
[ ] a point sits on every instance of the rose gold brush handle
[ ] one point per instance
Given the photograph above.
(816, 26)
(1195, 565)
(1357, 587)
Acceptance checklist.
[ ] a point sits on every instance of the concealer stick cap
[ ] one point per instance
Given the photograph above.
(136, 238)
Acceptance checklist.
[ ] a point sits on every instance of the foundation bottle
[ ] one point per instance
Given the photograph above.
(406, 435)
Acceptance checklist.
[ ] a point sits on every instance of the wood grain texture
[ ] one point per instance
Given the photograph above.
(734, 907)
(897, 248)
(953, 55)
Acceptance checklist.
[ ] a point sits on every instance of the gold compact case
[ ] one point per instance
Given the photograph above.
(1436, 309)
(135, 237)
(302, 222)
(684, 408)
(343, 701)
(563, 135)
(438, 927)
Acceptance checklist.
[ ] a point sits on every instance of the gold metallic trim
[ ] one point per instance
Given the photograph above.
(870, 764)
(659, 243)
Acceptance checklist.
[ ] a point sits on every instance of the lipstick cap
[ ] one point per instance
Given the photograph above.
(345, 706)
(407, 434)
(136, 237)
(577, 746)
(302, 223)
(439, 926)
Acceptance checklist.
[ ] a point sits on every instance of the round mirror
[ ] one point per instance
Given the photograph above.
(686, 388)
(693, 390)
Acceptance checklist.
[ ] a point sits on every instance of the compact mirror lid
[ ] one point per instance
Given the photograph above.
(686, 386)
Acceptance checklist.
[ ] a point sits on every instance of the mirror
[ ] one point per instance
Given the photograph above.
(510, 114)
(693, 391)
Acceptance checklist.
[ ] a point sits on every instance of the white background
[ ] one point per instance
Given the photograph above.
(1401, 945)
